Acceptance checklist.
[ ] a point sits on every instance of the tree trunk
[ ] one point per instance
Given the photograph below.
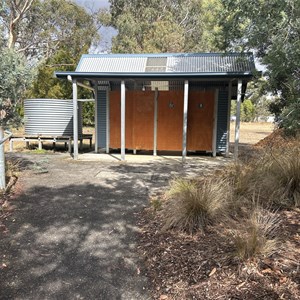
(2, 161)
(12, 36)
(16, 14)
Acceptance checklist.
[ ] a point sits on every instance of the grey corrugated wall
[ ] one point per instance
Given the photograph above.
(222, 120)
(101, 113)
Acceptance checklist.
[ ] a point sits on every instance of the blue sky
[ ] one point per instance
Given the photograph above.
(93, 3)
(106, 33)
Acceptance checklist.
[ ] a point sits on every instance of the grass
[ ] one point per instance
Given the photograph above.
(39, 151)
(245, 194)
(156, 203)
(274, 175)
(192, 205)
(255, 235)
(284, 169)
(251, 133)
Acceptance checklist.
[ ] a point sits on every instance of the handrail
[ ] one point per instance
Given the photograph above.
(6, 138)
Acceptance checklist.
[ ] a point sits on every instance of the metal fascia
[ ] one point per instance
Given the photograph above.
(122, 55)
(124, 75)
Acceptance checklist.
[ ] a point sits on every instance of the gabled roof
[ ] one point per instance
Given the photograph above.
(164, 65)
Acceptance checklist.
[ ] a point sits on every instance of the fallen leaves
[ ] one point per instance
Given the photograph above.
(213, 271)
(182, 266)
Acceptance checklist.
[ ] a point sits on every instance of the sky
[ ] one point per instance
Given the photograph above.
(106, 33)
(93, 3)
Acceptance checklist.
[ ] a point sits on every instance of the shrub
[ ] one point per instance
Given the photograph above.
(274, 175)
(192, 205)
(284, 177)
(254, 235)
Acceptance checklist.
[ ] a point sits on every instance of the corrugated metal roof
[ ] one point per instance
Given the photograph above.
(104, 63)
(167, 63)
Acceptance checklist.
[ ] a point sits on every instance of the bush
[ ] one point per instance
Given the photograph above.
(283, 177)
(192, 205)
(247, 110)
(88, 113)
(274, 175)
(254, 235)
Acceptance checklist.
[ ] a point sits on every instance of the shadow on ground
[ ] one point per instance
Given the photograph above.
(73, 233)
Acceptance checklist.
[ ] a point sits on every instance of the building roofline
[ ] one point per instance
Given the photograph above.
(148, 75)
(208, 54)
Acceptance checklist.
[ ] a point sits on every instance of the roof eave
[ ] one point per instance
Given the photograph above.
(123, 75)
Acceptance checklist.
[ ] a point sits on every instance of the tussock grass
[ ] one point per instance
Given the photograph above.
(156, 203)
(274, 175)
(243, 196)
(12, 168)
(284, 176)
(192, 205)
(255, 235)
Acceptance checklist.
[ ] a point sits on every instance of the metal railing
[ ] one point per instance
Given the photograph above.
(3, 140)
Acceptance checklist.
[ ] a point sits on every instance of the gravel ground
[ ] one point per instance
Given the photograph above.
(73, 232)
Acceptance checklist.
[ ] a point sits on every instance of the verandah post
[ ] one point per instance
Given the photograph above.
(123, 120)
(185, 111)
(238, 118)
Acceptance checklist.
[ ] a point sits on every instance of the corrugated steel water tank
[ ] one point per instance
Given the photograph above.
(50, 117)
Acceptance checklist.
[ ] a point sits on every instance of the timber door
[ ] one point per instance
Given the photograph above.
(115, 121)
(143, 119)
(139, 120)
(200, 120)
(170, 120)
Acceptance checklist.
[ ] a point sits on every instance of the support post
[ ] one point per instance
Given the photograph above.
(215, 128)
(40, 144)
(123, 120)
(228, 117)
(2, 161)
(185, 113)
(70, 145)
(107, 121)
(155, 122)
(238, 116)
(75, 119)
(96, 118)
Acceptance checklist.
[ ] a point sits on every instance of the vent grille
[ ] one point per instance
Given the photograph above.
(156, 64)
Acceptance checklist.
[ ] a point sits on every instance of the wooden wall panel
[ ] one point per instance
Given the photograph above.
(139, 120)
(200, 120)
(170, 120)
(115, 120)
(143, 119)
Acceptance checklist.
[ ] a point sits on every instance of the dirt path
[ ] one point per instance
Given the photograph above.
(73, 233)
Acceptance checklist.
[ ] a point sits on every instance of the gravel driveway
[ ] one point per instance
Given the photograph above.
(73, 233)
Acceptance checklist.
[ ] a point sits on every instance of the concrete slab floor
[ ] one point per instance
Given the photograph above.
(144, 158)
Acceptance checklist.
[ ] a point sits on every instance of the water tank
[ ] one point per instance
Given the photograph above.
(50, 117)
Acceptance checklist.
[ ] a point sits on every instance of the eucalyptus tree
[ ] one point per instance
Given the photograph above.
(39, 28)
(15, 11)
(15, 76)
(272, 29)
(163, 26)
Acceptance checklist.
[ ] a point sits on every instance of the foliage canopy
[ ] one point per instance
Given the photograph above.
(272, 29)
(164, 26)
(15, 76)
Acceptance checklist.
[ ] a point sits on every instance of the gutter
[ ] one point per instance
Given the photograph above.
(122, 76)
